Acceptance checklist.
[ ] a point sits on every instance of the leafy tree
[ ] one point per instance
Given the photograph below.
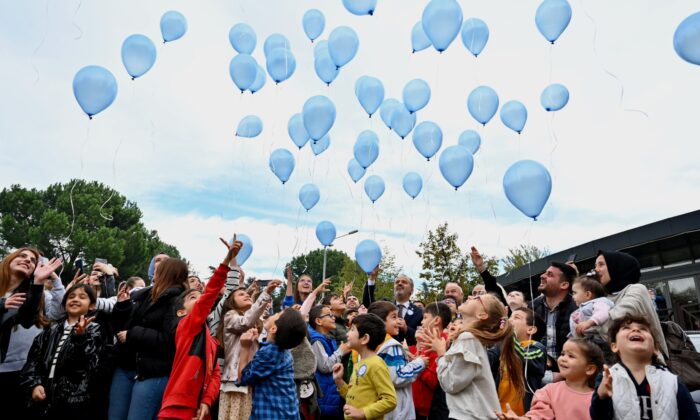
(522, 255)
(443, 262)
(312, 265)
(79, 219)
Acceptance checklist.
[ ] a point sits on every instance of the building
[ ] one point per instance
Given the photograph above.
(668, 252)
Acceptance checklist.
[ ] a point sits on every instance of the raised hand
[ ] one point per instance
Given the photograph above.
(44, 271)
(15, 301)
(605, 389)
(77, 279)
(272, 286)
(434, 341)
(338, 371)
(290, 274)
(81, 326)
(477, 259)
(323, 287)
(346, 289)
(248, 337)
(233, 249)
(122, 294)
(374, 274)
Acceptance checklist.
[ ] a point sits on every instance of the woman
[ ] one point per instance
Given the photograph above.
(619, 273)
(145, 323)
(298, 295)
(22, 314)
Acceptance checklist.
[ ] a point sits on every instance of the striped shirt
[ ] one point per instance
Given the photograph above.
(66, 333)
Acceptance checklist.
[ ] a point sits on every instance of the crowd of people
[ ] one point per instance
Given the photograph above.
(588, 346)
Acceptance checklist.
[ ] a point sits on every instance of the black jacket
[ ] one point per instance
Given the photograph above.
(150, 337)
(26, 315)
(77, 371)
(413, 317)
(566, 308)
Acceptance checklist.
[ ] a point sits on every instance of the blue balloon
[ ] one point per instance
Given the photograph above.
(483, 104)
(297, 131)
(552, 18)
(246, 249)
(360, 7)
(321, 145)
(456, 164)
(554, 97)
(427, 137)
(259, 81)
(275, 41)
(281, 64)
(419, 40)
(387, 110)
(514, 115)
(173, 26)
(412, 184)
(370, 92)
(325, 232)
(374, 187)
(326, 70)
(368, 255)
(282, 164)
(321, 48)
(95, 88)
(355, 170)
(686, 39)
(313, 22)
(138, 55)
(366, 149)
(442, 20)
(475, 35)
(402, 121)
(471, 140)
(342, 45)
(318, 115)
(527, 185)
(416, 95)
(243, 70)
(242, 38)
(309, 196)
(249, 127)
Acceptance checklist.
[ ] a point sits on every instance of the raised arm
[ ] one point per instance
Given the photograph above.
(490, 283)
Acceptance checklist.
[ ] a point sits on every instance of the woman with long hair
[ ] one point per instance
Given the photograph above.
(297, 296)
(145, 322)
(22, 314)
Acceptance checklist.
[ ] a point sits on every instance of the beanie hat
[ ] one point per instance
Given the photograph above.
(623, 269)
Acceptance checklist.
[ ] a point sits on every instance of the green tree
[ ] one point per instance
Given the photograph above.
(384, 287)
(312, 264)
(522, 255)
(79, 219)
(443, 262)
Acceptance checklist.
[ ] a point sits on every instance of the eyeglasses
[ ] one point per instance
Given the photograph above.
(327, 316)
(478, 292)
(478, 297)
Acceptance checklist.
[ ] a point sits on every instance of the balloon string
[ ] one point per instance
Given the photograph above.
(605, 70)
(41, 44)
(75, 25)
(554, 139)
(532, 296)
(70, 194)
(551, 62)
(114, 182)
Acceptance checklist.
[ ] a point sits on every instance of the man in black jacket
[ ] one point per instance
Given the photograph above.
(410, 315)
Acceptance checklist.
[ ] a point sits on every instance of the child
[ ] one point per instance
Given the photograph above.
(350, 314)
(403, 372)
(579, 363)
(271, 371)
(593, 306)
(463, 370)
(63, 367)
(321, 323)
(428, 397)
(370, 393)
(637, 387)
(194, 380)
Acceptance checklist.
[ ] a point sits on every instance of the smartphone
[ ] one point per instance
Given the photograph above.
(43, 260)
(572, 258)
(80, 265)
(263, 282)
(100, 260)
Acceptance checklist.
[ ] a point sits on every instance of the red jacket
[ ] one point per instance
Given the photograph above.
(195, 376)
(426, 382)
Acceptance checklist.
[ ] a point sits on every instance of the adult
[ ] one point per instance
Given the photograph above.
(410, 316)
(490, 284)
(352, 302)
(454, 291)
(297, 296)
(619, 273)
(145, 323)
(153, 265)
(194, 282)
(23, 314)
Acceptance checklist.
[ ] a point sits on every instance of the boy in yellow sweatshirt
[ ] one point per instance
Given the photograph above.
(370, 394)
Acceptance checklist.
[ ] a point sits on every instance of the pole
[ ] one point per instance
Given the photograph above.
(323, 277)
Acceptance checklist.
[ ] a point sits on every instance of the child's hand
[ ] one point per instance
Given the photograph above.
(347, 288)
(605, 389)
(121, 336)
(233, 250)
(81, 326)
(353, 413)
(123, 295)
(272, 286)
(77, 279)
(345, 348)
(434, 341)
(338, 371)
(38, 393)
(583, 326)
(202, 413)
(248, 337)
(425, 359)
(509, 415)
(322, 288)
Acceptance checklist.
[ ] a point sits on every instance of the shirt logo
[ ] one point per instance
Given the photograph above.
(362, 370)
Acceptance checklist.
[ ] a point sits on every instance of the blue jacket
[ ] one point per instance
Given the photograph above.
(329, 402)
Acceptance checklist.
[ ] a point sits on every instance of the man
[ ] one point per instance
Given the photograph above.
(352, 302)
(454, 291)
(479, 290)
(410, 316)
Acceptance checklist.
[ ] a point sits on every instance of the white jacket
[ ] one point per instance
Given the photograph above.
(403, 373)
(663, 385)
(465, 376)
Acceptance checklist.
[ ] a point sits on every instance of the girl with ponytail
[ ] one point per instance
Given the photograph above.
(464, 371)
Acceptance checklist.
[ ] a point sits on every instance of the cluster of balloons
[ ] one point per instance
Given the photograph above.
(95, 87)
(332, 54)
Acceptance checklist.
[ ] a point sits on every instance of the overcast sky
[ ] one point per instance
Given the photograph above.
(168, 140)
